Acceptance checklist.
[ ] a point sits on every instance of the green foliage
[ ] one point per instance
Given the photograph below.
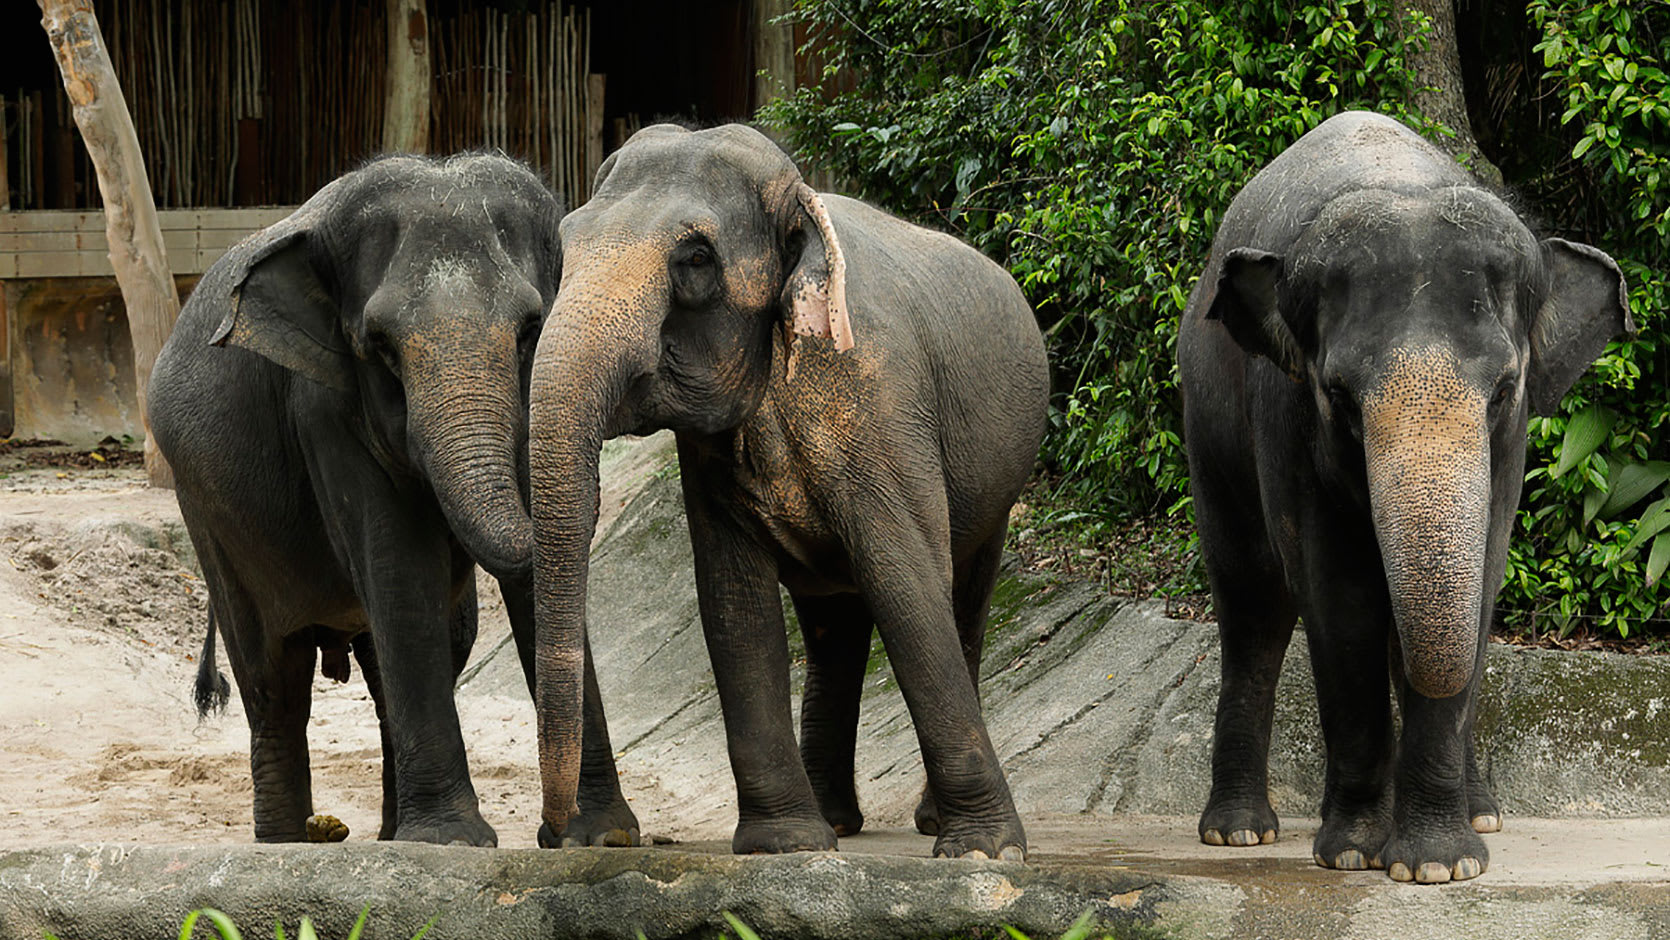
(1592, 542)
(1092, 146)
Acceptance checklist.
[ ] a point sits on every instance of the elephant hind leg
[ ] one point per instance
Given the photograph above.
(276, 686)
(971, 598)
(277, 696)
(837, 630)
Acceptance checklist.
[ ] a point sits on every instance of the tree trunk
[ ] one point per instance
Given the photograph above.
(136, 251)
(1440, 93)
(406, 99)
(773, 51)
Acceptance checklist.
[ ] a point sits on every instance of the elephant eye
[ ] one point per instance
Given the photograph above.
(699, 257)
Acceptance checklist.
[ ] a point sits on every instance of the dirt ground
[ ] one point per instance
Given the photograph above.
(102, 619)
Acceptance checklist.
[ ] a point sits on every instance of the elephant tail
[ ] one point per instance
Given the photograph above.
(212, 689)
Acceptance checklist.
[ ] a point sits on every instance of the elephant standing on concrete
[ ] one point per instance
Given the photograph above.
(1357, 362)
(872, 475)
(344, 404)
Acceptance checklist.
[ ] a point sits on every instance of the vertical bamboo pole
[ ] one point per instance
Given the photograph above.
(406, 97)
(131, 226)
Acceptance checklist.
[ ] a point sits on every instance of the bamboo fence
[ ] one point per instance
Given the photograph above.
(261, 102)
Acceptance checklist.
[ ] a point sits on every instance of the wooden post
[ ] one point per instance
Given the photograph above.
(130, 216)
(773, 51)
(5, 184)
(594, 129)
(406, 97)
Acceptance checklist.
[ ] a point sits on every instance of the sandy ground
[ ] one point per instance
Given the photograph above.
(101, 623)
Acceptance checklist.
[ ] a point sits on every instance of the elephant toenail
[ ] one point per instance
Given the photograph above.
(1350, 860)
(1269, 837)
(1012, 853)
(616, 837)
(572, 842)
(976, 853)
(1243, 837)
(1400, 872)
(1212, 837)
(1467, 868)
(1432, 873)
(1487, 822)
(1320, 861)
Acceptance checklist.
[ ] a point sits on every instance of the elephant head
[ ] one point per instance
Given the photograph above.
(699, 255)
(419, 287)
(1424, 324)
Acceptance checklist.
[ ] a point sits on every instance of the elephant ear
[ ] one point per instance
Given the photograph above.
(1587, 304)
(1245, 302)
(814, 297)
(279, 307)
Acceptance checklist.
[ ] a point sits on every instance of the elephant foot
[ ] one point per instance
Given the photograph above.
(466, 829)
(612, 824)
(322, 827)
(1351, 841)
(1455, 853)
(1239, 822)
(780, 834)
(1482, 810)
(841, 811)
(1003, 839)
(927, 813)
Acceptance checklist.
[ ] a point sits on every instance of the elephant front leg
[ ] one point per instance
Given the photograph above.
(606, 818)
(1255, 625)
(906, 582)
(742, 620)
(1433, 838)
(405, 589)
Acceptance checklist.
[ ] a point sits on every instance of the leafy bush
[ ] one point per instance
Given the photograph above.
(1594, 534)
(1092, 145)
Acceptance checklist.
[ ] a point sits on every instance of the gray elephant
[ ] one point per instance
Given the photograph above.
(1357, 362)
(343, 402)
(870, 473)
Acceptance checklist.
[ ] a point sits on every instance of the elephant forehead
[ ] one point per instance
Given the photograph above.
(1423, 404)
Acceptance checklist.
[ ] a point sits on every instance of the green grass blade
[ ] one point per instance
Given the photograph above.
(743, 931)
(1080, 928)
(1016, 933)
(278, 928)
(305, 931)
(431, 922)
(359, 924)
(221, 921)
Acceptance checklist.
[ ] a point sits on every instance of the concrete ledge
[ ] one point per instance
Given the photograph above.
(118, 892)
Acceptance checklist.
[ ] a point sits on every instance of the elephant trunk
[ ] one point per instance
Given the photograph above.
(464, 421)
(1427, 450)
(597, 339)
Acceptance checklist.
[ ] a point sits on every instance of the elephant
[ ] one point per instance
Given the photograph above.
(1357, 363)
(343, 403)
(857, 403)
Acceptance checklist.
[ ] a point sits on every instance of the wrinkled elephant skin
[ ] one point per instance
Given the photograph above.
(1357, 363)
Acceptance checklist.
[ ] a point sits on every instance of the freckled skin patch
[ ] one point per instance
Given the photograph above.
(1424, 434)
